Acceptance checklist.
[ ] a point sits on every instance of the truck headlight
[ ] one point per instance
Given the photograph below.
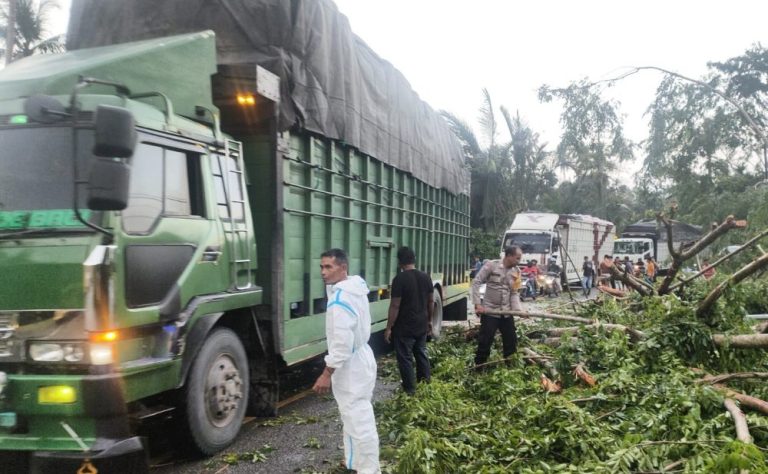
(101, 353)
(56, 352)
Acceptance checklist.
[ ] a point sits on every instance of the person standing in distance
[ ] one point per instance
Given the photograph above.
(350, 367)
(409, 321)
(587, 275)
(502, 284)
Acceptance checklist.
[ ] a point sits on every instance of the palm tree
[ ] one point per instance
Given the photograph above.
(23, 29)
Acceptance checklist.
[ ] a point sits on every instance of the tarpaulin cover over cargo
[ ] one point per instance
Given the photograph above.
(682, 232)
(332, 83)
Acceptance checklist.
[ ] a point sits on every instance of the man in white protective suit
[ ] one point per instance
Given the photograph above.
(350, 367)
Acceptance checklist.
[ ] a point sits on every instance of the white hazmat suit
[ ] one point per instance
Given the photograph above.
(347, 329)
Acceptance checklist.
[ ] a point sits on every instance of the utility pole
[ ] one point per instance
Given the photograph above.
(10, 32)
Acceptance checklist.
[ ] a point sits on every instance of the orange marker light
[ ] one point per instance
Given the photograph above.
(108, 336)
(244, 99)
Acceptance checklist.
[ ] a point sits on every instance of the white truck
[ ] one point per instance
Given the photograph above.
(543, 235)
(647, 237)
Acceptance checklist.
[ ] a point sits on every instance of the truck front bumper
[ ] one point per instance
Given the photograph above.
(124, 456)
(96, 418)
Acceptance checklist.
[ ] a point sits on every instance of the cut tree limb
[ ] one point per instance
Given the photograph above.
(720, 340)
(708, 303)
(748, 401)
(720, 378)
(742, 430)
(749, 244)
(541, 360)
(741, 341)
(679, 257)
(634, 334)
(523, 314)
(631, 282)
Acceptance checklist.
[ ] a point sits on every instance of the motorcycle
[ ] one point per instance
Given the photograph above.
(527, 287)
(549, 284)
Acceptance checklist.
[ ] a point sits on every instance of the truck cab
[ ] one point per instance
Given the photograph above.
(536, 234)
(127, 251)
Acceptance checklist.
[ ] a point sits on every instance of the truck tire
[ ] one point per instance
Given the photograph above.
(216, 392)
(437, 314)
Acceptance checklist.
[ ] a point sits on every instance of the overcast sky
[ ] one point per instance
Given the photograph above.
(450, 50)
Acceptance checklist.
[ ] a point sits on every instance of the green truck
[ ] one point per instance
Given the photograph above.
(160, 234)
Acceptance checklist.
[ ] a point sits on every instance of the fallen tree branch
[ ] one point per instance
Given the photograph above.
(708, 303)
(761, 328)
(679, 257)
(631, 282)
(523, 314)
(741, 341)
(746, 245)
(635, 334)
(745, 400)
(541, 360)
(716, 379)
(673, 465)
(589, 399)
(742, 430)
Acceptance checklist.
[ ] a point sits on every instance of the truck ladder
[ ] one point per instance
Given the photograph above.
(240, 254)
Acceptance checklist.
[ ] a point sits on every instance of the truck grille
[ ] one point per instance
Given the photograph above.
(9, 322)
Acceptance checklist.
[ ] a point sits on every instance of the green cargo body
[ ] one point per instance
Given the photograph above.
(334, 196)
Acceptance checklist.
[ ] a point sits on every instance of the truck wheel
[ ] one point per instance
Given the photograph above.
(217, 392)
(437, 314)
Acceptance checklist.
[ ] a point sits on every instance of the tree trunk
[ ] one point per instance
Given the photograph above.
(10, 32)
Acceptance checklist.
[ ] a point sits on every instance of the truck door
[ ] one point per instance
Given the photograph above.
(169, 243)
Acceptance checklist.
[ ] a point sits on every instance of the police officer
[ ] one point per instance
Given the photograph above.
(502, 282)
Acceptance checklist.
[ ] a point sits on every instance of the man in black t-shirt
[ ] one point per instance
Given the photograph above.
(409, 321)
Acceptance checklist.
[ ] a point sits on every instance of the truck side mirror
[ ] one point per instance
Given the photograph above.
(108, 184)
(115, 132)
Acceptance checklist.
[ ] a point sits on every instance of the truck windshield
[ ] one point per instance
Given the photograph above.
(627, 247)
(529, 242)
(36, 184)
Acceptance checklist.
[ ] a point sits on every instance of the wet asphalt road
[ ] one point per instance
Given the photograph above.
(304, 438)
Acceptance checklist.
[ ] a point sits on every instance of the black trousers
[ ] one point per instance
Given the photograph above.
(408, 348)
(488, 327)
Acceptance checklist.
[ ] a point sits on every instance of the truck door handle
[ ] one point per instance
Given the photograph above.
(211, 253)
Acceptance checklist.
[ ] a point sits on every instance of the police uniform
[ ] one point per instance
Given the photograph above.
(502, 287)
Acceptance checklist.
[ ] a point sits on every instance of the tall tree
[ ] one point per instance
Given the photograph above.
(507, 177)
(532, 167)
(489, 168)
(24, 28)
(593, 142)
(708, 137)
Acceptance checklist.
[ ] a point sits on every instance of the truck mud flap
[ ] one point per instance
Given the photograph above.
(126, 456)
